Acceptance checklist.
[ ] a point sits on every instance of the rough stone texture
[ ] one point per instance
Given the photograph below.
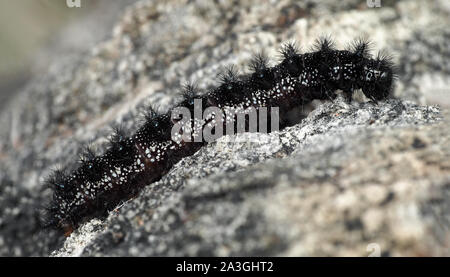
(344, 177)
(347, 176)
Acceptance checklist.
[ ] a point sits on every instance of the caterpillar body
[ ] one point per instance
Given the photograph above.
(131, 162)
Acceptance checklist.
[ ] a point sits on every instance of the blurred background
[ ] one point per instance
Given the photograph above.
(30, 31)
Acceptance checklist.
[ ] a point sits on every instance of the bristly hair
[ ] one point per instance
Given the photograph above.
(118, 145)
(361, 46)
(259, 62)
(189, 90)
(385, 59)
(87, 154)
(135, 160)
(289, 50)
(291, 58)
(228, 75)
(57, 179)
(324, 44)
(118, 134)
(150, 112)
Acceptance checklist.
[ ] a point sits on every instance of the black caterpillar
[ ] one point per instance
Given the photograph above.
(132, 162)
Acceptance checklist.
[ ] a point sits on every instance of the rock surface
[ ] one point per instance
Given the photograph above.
(347, 179)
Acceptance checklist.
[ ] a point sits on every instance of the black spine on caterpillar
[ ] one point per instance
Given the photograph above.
(131, 162)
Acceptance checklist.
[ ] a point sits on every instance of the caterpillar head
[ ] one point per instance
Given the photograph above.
(377, 78)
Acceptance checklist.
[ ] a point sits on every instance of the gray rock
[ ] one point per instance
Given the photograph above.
(346, 176)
